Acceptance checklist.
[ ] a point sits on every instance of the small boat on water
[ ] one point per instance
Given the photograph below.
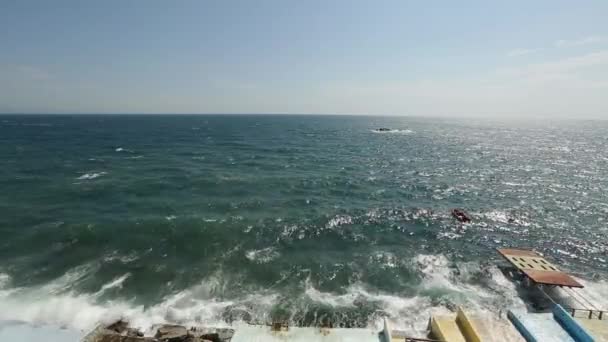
(383, 129)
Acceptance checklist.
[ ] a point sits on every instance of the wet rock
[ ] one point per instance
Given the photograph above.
(119, 326)
(212, 335)
(120, 331)
(103, 334)
(172, 333)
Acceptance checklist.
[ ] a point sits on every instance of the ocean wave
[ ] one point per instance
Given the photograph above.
(125, 259)
(82, 312)
(339, 220)
(443, 286)
(92, 175)
(5, 280)
(116, 283)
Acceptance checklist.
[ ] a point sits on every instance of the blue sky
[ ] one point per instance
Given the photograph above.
(439, 58)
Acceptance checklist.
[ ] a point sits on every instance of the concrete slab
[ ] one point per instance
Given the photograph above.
(495, 329)
(598, 329)
(252, 333)
(22, 332)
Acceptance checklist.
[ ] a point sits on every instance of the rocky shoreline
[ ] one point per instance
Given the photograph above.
(121, 332)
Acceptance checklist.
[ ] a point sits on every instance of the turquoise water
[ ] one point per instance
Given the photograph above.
(304, 218)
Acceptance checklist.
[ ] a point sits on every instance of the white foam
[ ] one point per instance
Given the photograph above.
(196, 306)
(444, 284)
(116, 283)
(504, 217)
(262, 256)
(125, 259)
(91, 175)
(339, 221)
(5, 280)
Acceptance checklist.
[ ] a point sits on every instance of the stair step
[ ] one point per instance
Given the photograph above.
(446, 329)
(492, 329)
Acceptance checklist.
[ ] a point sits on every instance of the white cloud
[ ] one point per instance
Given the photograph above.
(581, 41)
(521, 52)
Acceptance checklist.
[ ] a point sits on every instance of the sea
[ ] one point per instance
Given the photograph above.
(312, 220)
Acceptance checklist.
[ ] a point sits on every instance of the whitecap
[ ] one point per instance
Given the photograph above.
(198, 306)
(262, 256)
(116, 283)
(339, 221)
(91, 175)
(5, 280)
(125, 259)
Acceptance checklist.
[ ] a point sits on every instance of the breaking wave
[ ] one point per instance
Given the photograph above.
(443, 286)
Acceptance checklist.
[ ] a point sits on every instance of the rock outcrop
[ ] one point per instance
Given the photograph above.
(121, 332)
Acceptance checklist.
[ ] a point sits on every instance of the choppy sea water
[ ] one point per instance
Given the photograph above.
(310, 219)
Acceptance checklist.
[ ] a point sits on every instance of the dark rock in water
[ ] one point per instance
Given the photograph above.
(461, 215)
(213, 335)
(172, 333)
(383, 129)
(119, 326)
(122, 327)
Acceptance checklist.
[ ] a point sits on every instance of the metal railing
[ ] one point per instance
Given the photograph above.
(591, 314)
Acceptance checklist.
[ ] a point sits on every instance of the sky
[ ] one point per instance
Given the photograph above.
(518, 58)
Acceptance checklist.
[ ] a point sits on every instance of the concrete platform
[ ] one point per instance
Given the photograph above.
(598, 329)
(494, 329)
(252, 333)
(23, 332)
